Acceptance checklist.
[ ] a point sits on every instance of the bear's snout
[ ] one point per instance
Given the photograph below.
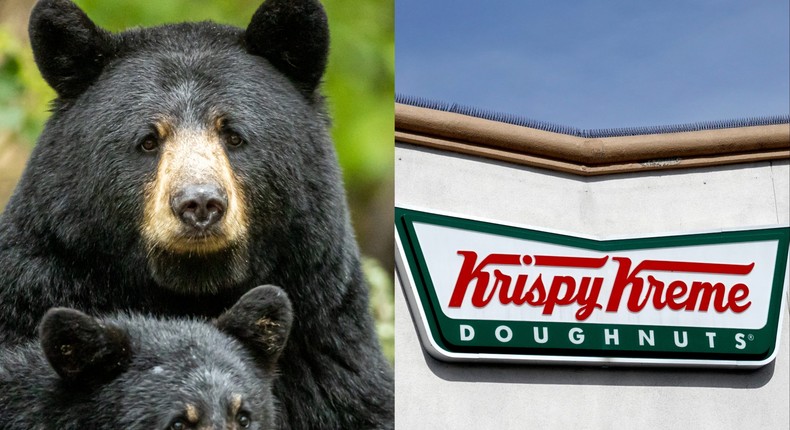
(195, 203)
(199, 206)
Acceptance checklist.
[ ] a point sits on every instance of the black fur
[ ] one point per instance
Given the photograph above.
(82, 349)
(162, 366)
(69, 49)
(294, 37)
(70, 235)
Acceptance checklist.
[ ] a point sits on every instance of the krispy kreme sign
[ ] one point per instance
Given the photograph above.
(491, 292)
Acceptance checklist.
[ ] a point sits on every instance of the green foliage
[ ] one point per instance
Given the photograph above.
(360, 84)
(24, 96)
(382, 304)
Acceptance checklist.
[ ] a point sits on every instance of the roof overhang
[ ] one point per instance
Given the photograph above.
(588, 156)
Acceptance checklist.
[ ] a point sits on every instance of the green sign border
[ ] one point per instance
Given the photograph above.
(445, 331)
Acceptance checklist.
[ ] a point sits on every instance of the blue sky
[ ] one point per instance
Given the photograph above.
(598, 64)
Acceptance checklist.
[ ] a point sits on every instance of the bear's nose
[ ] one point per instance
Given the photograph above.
(199, 206)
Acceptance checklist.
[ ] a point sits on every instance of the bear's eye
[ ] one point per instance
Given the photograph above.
(178, 424)
(243, 419)
(149, 143)
(233, 139)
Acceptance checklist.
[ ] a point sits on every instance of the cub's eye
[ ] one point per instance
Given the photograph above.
(149, 143)
(178, 424)
(233, 139)
(243, 419)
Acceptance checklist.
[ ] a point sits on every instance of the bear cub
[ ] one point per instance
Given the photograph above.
(137, 372)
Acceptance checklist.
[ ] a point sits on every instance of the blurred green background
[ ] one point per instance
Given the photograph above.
(359, 84)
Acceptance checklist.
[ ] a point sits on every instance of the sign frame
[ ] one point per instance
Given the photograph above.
(416, 280)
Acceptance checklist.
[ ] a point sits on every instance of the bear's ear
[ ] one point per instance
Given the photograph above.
(69, 49)
(261, 320)
(80, 348)
(294, 36)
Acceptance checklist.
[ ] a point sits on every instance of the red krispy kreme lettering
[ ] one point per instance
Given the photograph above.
(673, 295)
(491, 279)
(469, 272)
(564, 290)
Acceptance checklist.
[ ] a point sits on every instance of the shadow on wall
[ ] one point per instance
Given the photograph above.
(609, 376)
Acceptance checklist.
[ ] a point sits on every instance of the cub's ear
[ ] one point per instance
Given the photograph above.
(261, 320)
(294, 36)
(80, 348)
(69, 49)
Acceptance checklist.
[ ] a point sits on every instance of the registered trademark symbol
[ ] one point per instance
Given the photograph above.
(750, 337)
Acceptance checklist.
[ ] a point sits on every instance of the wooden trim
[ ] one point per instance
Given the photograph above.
(571, 154)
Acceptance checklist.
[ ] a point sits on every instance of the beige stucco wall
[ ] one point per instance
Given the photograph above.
(434, 394)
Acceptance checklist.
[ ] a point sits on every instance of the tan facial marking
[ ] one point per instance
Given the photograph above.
(192, 414)
(235, 404)
(163, 129)
(191, 157)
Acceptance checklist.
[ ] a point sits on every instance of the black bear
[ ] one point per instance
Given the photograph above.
(134, 372)
(182, 166)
